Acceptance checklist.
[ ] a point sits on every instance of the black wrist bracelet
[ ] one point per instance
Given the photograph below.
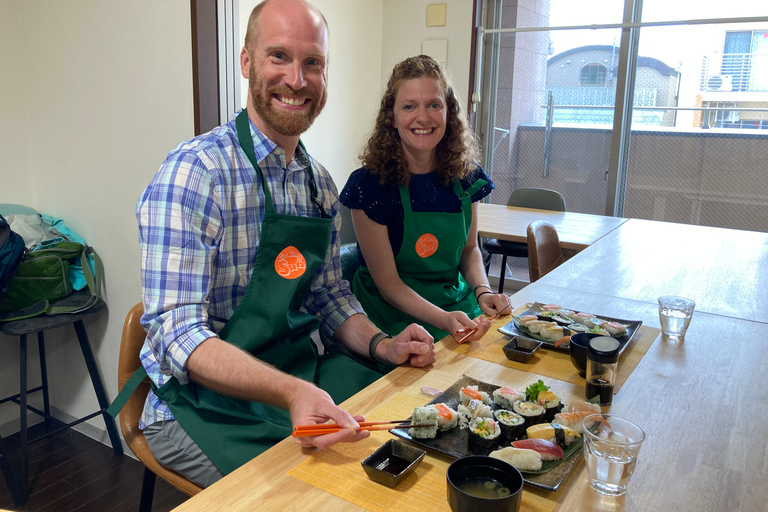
(480, 295)
(375, 340)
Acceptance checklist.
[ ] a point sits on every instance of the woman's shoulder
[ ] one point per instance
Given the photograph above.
(363, 191)
(478, 174)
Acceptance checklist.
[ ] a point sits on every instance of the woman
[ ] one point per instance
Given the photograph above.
(412, 207)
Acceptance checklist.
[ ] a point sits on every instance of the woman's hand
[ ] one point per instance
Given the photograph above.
(457, 323)
(483, 324)
(493, 303)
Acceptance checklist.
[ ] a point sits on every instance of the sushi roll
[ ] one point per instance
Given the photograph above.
(547, 449)
(505, 396)
(532, 412)
(615, 328)
(512, 424)
(473, 410)
(447, 418)
(523, 459)
(598, 330)
(578, 327)
(484, 434)
(551, 404)
(424, 416)
(558, 434)
(472, 393)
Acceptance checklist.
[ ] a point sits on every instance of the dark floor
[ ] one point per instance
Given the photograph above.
(70, 472)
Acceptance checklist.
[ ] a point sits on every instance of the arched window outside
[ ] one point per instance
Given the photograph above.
(593, 74)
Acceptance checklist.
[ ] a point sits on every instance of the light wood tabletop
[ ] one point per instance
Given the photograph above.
(576, 230)
(725, 271)
(702, 402)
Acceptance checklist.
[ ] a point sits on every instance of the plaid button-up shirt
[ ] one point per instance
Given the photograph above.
(199, 228)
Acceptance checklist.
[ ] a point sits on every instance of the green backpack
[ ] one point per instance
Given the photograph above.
(43, 278)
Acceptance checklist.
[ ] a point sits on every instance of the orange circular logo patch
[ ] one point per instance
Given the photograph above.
(426, 245)
(290, 264)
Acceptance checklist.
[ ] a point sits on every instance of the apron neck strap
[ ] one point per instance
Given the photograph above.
(246, 142)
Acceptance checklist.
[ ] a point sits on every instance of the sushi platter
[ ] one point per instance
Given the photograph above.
(565, 326)
(455, 442)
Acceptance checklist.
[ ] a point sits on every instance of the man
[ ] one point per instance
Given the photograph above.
(240, 254)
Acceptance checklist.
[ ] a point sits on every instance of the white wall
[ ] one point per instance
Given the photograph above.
(404, 28)
(354, 77)
(94, 95)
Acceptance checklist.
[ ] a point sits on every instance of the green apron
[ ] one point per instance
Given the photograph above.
(268, 324)
(428, 262)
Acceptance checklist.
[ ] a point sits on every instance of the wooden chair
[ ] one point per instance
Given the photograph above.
(132, 341)
(544, 251)
(540, 198)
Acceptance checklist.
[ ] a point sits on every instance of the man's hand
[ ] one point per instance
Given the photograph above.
(311, 405)
(413, 345)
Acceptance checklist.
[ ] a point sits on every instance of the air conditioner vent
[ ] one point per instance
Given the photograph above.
(720, 83)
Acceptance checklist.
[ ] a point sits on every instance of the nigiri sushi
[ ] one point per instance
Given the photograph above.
(554, 432)
(522, 459)
(535, 326)
(547, 449)
(552, 333)
(572, 419)
(584, 318)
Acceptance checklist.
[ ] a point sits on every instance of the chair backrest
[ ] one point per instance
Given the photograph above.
(347, 232)
(130, 345)
(544, 251)
(541, 198)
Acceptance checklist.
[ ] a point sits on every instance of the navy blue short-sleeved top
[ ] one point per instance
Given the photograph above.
(428, 194)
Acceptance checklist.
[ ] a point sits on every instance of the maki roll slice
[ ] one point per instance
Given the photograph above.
(484, 435)
(551, 404)
(472, 393)
(447, 418)
(424, 416)
(473, 410)
(512, 424)
(532, 412)
(505, 396)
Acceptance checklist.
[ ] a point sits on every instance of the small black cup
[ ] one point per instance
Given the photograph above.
(482, 467)
(578, 349)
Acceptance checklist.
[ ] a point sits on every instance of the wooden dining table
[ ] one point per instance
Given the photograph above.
(702, 402)
(577, 231)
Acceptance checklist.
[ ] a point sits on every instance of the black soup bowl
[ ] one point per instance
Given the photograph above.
(578, 349)
(478, 483)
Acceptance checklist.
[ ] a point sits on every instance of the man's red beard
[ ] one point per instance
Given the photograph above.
(284, 122)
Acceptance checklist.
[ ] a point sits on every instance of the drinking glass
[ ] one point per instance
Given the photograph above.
(610, 452)
(675, 315)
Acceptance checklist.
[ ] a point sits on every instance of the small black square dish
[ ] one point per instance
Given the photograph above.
(392, 462)
(521, 349)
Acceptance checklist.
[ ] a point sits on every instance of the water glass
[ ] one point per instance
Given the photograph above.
(675, 315)
(610, 452)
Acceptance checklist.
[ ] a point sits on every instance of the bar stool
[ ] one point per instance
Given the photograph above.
(38, 325)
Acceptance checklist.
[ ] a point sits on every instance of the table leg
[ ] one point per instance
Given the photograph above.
(98, 386)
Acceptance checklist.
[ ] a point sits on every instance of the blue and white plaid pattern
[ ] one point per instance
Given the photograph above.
(199, 235)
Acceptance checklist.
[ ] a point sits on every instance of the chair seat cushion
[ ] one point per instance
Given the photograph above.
(506, 248)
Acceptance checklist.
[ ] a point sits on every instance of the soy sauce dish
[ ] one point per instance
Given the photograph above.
(392, 462)
(484, 484)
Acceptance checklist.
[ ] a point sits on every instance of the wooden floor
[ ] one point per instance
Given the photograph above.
(71, 472)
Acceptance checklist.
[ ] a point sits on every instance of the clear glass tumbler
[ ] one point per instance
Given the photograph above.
(610, 452)
(675, 315)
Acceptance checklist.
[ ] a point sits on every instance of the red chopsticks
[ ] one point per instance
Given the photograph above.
(331, 428)
(473, 331)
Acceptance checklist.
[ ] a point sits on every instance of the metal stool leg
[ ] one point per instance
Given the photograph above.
(147, 491)
(43, 373)
(98, 387)
(502, 273)
(22, 480)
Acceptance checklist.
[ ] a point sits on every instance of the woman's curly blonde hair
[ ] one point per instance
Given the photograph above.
(456, 153)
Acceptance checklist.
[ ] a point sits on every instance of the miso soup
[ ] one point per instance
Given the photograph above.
(483, 487)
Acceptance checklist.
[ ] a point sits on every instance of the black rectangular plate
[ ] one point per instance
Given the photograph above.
(511, 329)
(454, 442)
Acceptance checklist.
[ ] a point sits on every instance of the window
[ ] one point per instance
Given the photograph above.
(593, 74)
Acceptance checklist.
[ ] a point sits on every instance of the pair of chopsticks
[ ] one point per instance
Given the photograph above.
(473, 331)
(331, 428)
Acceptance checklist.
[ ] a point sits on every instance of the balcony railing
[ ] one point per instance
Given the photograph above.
(734, 72)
